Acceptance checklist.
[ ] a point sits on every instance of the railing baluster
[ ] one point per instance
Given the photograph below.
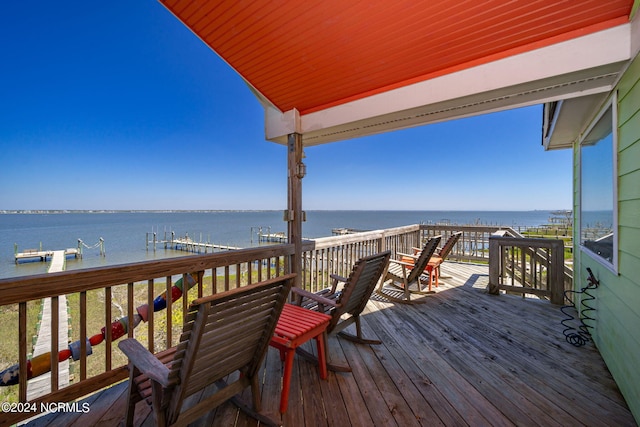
(22, 351)
(549, 269)
(200, 275)
(313, 286)
(238, 275)
(83, 335)
(107, 322)
(55, 324)
(514, 260)
(130, 309)
(185, 296)
(523, 267)
(169, 311)
(150, 331)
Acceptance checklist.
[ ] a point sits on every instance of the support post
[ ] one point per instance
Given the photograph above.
(494, 265)
(557, 274)
(294, 214)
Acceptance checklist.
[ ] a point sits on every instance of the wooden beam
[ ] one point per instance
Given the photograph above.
(294, 215)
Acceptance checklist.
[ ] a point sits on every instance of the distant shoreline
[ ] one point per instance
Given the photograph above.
(103, 211)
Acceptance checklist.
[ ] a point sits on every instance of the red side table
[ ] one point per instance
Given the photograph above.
(296, 326)
(432, 269)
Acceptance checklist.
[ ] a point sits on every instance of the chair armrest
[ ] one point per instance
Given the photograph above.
(405, 264)
(146, 362)
(315, 297)
(435, 260)
(407, 255)
(336, 279)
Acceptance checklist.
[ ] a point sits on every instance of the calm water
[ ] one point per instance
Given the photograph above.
(124, 234)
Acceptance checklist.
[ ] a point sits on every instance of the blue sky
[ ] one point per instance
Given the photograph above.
(116, 105)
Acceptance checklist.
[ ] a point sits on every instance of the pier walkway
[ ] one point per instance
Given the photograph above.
(187, 244)
(41, 385)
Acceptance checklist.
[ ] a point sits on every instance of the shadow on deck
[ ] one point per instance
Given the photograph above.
(462, 358)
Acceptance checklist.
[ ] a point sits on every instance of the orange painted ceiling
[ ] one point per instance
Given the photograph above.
(314, 54)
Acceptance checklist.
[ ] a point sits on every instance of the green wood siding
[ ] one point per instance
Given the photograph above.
(617, 333)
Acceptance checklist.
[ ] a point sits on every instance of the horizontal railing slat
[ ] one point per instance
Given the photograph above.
(18, 289)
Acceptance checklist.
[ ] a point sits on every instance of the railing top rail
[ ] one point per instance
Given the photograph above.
(527, 241)
(482, 228)
(327, 242)
(27, 288)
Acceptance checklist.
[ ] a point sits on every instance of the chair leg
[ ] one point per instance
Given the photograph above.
(255, 393)
(133, 397)
(251, 411)
(436, 276)
(159, 411)
(430, 274)
(322, 357)
(286, 380)
(407, 293)
(358, 338)
(404, 299)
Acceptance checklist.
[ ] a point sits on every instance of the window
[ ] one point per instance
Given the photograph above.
(598, 193)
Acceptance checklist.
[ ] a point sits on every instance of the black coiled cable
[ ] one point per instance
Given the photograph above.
(580, 336)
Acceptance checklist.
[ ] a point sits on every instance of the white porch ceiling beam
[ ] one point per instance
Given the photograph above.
(587, 64)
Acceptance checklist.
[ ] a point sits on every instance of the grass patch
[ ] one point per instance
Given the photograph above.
(9, 340)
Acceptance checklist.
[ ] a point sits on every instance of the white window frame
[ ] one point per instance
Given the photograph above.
(612, 103)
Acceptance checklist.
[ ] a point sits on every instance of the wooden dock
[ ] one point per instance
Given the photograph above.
(41, 385)
(343, 231)
(190, 245)
(36, 254)
(279, 237)
(187, 244)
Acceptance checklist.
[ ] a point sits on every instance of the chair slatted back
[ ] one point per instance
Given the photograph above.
(423, 259)
(360, 285)
(226, 332)
(449, 244)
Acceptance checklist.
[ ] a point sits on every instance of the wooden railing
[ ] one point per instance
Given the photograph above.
(337, 254)
(527, 266)
(100, 295)
(473, 245)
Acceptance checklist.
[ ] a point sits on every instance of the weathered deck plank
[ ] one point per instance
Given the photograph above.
(462, 358)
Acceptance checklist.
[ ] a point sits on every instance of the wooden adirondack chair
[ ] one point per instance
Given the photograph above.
(349, 300)
(404, 275)
(222, 333)
(438, 257)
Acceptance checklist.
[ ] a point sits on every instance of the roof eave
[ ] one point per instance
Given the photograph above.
(581, 66)
(564, 122)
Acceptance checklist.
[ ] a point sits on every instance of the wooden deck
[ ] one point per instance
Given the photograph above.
(462, 358)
